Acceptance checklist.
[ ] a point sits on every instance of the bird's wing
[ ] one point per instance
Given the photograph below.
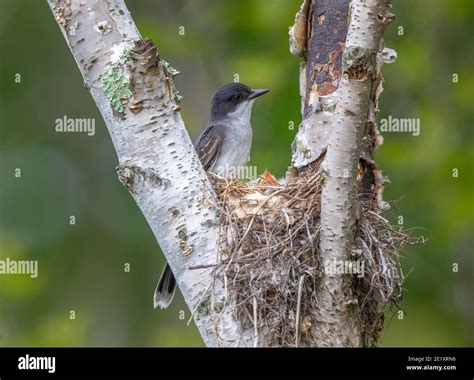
(209, 144)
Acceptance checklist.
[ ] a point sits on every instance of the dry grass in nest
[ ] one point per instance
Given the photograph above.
(269, 251)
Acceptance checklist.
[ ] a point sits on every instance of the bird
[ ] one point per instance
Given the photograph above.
(222, 148)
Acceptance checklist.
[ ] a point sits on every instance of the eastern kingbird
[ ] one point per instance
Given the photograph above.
(223, 147)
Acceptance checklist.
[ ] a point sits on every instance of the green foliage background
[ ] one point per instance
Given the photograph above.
(81, 266)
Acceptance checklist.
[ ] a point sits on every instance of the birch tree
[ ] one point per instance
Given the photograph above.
(342, 48)
(341, 82)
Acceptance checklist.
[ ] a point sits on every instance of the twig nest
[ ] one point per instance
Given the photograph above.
(270, 258)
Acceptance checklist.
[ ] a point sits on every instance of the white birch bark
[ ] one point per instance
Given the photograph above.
(338, 322)
(157, 161)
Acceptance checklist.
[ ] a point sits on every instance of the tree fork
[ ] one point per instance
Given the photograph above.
(134, 91)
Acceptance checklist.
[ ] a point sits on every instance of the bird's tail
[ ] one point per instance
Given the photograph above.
(165, 289)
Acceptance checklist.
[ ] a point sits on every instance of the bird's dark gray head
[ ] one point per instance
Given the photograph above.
(234, 100)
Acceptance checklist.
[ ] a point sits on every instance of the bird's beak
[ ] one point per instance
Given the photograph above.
(256, 93)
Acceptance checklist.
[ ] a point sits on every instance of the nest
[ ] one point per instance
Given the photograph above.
(269, 253)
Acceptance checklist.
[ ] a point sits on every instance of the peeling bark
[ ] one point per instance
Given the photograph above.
(134, 91)
(324, 23)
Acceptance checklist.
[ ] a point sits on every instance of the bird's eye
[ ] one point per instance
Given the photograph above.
(236, 97)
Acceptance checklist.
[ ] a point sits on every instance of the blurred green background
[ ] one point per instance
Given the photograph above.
(81, 267)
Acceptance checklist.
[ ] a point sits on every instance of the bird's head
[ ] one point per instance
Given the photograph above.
(234, 100)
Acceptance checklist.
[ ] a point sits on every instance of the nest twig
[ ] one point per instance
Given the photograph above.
(270, 257)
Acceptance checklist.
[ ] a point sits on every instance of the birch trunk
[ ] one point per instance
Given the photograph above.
(339, 203)
(340, 83)
(133, 89)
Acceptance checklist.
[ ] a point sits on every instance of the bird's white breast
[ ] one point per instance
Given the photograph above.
(235, 151)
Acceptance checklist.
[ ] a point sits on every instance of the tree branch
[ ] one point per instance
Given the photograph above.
(339, 203)
(134, 91)
(340, 81)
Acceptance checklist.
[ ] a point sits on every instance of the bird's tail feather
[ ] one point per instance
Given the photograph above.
(165, 289)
